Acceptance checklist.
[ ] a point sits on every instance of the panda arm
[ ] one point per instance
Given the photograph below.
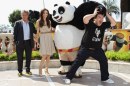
(53, 23)
(114, 38)
(125, 42)
(87, 17)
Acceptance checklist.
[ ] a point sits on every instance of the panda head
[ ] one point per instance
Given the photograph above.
(63, 13)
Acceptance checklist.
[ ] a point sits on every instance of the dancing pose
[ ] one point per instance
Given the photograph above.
(92, 42)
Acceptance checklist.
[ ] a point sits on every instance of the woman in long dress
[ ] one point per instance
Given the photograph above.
(44, 31)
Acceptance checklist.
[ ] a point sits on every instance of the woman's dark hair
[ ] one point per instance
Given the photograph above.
(41, 22)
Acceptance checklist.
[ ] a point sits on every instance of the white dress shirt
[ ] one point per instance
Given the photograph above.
(26, 30)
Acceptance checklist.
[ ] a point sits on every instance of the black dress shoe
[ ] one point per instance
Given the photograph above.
(29, 73)
(20, 74)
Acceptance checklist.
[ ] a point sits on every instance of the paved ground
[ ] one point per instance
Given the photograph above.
(90, 78)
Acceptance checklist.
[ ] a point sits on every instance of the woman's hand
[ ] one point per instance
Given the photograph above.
(52, 29)
(38, 45)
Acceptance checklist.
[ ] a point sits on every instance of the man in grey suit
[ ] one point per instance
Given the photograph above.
(23, 38)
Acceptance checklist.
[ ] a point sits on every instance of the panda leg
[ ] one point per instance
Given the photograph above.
(73, 55)
(62, 57)
(78, 73)
(64, 67)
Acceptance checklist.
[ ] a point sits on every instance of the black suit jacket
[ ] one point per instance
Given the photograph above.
(19, 35)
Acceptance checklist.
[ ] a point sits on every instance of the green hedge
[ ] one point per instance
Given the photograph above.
(13, 57)
(3, 57)
(111, 55)
(120, 56)
(36, 55)
(0, 52)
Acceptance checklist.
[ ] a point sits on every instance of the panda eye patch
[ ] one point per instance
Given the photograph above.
(61, 10)
(68, 3)
(55, 5)
(54, 12)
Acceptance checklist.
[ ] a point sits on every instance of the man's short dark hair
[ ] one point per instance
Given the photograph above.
(102, 10)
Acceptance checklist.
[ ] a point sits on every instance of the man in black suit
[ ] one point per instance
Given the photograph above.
(23, 38)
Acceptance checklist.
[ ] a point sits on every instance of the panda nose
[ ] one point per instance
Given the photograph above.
(56, 17)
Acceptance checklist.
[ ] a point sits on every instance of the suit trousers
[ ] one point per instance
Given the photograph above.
(20, 48)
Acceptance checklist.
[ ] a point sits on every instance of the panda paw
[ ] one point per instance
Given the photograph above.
(125, 42)
(79, 76)
(62, 73)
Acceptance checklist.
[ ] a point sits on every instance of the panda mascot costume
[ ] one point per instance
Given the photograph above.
(67, 37)
(69, 30)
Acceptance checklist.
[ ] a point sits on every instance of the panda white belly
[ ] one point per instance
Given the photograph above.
(110, 45)
(67, 36)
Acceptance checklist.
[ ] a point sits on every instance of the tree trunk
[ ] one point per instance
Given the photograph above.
(124, 7)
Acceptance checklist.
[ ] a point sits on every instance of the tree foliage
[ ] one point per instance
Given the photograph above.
(33, 15)
(16, 15)
(111, 6)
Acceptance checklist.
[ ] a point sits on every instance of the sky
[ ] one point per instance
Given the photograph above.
(8, 6)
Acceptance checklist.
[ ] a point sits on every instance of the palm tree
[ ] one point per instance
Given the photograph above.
(111, 7)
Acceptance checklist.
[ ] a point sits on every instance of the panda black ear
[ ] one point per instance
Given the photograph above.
(74, 7)
(68, 3)
(55, 5)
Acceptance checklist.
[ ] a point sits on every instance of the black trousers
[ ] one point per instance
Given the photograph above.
(83, 54)
(20, 48)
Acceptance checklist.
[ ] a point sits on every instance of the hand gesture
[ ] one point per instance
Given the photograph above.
(95, 11)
